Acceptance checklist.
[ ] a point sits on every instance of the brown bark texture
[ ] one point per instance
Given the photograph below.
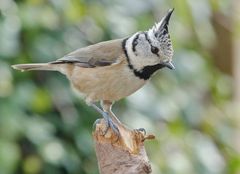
(124, 154)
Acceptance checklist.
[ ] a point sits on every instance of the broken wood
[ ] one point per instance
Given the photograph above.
(125, 154)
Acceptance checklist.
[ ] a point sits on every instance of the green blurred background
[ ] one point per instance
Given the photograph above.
(194, 111)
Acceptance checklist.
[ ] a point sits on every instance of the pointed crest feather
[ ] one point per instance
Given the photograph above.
(160, 32)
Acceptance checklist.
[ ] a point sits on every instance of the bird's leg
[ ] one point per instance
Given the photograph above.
(107, 118)
(107, 107)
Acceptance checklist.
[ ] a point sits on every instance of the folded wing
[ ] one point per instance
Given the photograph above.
(100, 54)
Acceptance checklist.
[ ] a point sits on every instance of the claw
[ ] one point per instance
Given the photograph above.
(110, 124)
(109, 121)
(141, 130)
(95, 123)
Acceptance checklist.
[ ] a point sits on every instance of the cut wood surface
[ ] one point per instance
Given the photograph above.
(125, 154)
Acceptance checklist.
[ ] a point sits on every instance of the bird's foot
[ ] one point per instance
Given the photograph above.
(110, 124)
(141, 130)
(108, 120)
(98, 121)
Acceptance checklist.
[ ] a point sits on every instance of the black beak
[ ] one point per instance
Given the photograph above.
(165, 19)
(168, 65)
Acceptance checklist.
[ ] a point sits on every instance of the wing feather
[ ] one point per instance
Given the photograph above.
(100, 54)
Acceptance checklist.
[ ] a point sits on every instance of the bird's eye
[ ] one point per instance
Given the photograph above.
(154, 50)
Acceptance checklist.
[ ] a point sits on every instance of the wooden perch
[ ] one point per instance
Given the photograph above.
(123, 155)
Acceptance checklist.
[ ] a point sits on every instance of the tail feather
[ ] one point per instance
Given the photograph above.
(34, 66)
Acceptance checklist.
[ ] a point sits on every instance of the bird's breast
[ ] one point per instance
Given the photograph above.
(106, 83)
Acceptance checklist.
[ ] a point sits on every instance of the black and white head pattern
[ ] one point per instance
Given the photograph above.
(150, 50)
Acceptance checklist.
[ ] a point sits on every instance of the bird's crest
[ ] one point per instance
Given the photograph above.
(160, 32)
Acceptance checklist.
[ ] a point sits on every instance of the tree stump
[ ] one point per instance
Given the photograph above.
(121, 155)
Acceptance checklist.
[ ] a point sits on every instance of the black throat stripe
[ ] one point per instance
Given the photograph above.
(146, 72)
(126, 53)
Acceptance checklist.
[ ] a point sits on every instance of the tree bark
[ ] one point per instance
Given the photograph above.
(124, 154)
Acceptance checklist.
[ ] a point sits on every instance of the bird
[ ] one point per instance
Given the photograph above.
(108, 71)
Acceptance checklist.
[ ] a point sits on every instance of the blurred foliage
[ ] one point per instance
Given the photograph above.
(45, 128)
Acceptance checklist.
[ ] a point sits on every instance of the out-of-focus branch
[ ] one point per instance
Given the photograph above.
(222, 50)
(236, 49)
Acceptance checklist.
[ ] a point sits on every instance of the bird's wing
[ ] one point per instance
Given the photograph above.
(100, 54)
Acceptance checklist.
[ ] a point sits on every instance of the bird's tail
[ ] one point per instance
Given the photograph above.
(35, 66)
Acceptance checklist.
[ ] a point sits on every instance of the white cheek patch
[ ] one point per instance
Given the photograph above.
(134, 58)
(143, 56)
